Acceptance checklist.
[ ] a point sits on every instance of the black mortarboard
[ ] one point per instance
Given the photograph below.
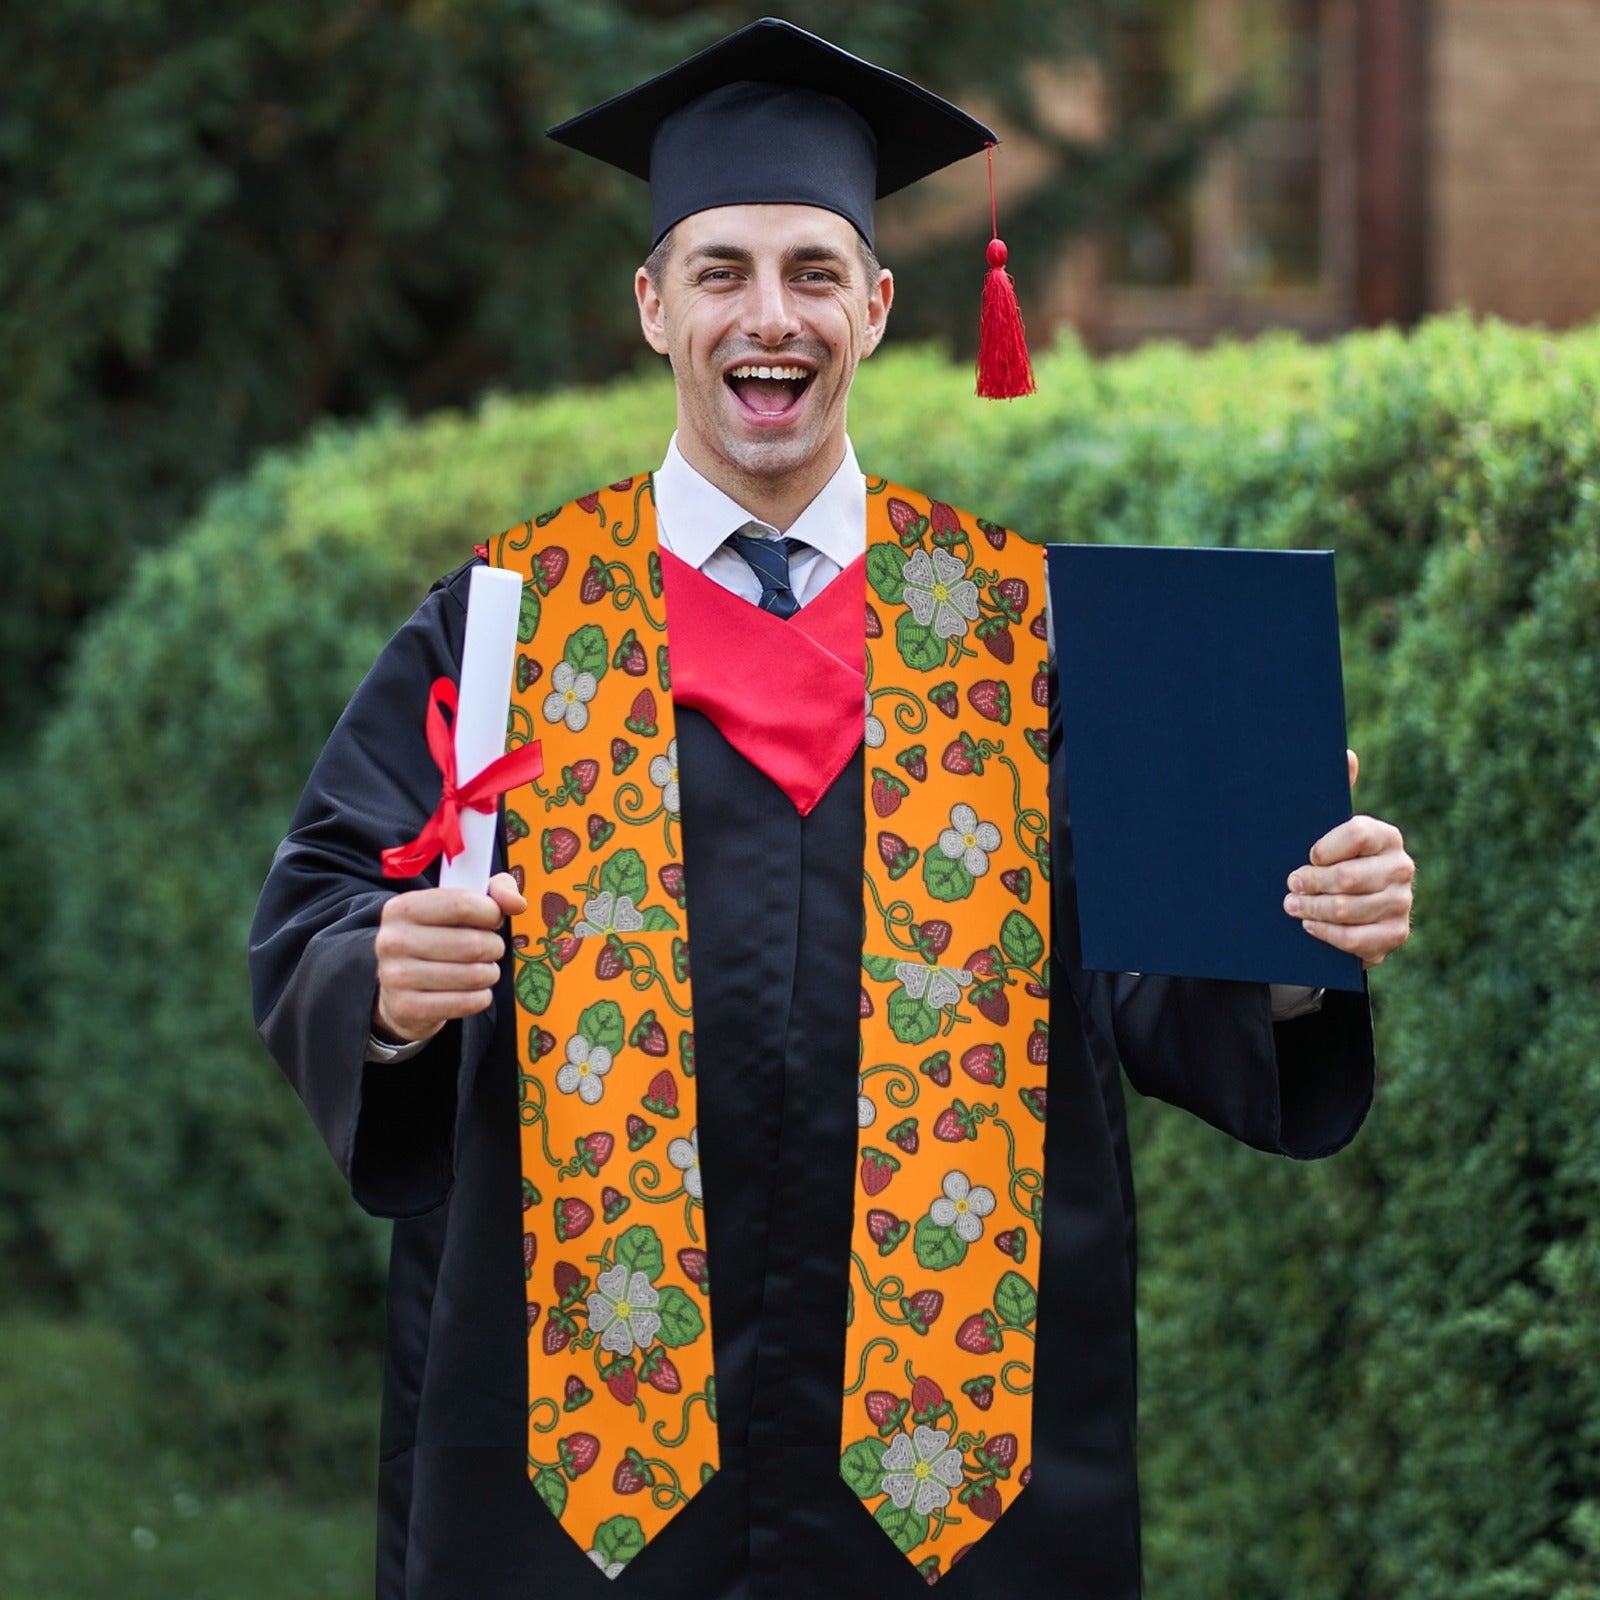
(774, 115)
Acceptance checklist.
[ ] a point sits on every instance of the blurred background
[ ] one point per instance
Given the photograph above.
(297, 304)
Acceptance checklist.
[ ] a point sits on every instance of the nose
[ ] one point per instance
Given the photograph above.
(771, 316)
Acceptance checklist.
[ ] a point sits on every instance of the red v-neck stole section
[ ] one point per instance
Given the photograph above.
(789, 696)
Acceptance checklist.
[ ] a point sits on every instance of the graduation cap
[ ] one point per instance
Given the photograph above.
(773, 115)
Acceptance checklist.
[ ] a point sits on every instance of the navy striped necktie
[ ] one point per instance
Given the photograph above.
(769, 560)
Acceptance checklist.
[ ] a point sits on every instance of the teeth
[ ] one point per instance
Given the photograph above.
(797, 374)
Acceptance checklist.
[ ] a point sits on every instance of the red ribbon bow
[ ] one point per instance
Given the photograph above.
(442, 831)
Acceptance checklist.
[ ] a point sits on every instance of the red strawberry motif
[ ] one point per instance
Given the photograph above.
(1037, 990)
(599, 1147)
(555, 909)
(549, 567)
(533, 1315)
(874, 623)
(623, 1382)
(991, 699)
(1041, 689)
(998, 642)
(887, 792)
(921, 1310)
(622, 485)
(597, 582)
(630, 656)
(883, 1408)
(585, 774)
(887, 1230)
(659, 1372)
(877, 1168)
(985, 1063)
(686, 1052)
(558, 846)
(1002, 1450)
(1014, 1243)
(600, 829)
(565, 949)
(937, 1067)
(631, 1475)
(572, 1218)
(1027, 1474)
(992, 1001)
(980, 1391)
(575, 1393)
(642, 718)
(515, 828)
(926, 1397)
(952, 1127)
(896, 854)
(934, 936)
(904, 1134)
(623, 755)
(611, 962)
(569, 1281)
(944, 522)
(662, 1095)
(558, 1331)
(1013, 595)
(579, 1452)
(640, 1133)
(1019, 880)
(1039, 1045)
(915, 761)
(958, 758)
(649, 1036)
(540, 1043)
(985, 1504)
(908, 526)
(613, 1203)
(694, 1266)
(1034, 1100)
(530, 1196)
(1039, 628)
(979, 1335)
(590, 502)
(529, 672)
(866, 1002)
(944, 696)
(520, 877)
(672, 883)
(993, 532)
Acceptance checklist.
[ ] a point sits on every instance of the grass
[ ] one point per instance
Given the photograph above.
(93, 1503)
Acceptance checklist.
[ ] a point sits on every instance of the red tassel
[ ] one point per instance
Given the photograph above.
(1004, 370)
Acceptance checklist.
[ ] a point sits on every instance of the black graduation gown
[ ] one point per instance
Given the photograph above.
(775, 917)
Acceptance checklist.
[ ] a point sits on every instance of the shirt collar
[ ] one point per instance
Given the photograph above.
(695, 517)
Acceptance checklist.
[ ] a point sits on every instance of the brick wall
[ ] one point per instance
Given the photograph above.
(1514, 161)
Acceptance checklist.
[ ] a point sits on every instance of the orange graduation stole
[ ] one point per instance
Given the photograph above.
(937, 1413)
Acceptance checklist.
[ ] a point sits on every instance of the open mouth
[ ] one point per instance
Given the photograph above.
(769, 391)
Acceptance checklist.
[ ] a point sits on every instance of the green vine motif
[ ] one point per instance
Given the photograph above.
(519, 728)
(911, 715)
(902, 1088)
(531, 1113)
(1005, 1371)
(891, 1289)
(625, 592)
(618, 537)
(1027, 1183)
(630, 807)
(891, 1349)
(513, 539)
(942, 1520)
(897, 914)
(643, 973)
(644, 1179)
(555, 1416)
(1031, 827)
(664, 1494)
(706, 1397)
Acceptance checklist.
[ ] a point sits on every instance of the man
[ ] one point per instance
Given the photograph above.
(771, 1327)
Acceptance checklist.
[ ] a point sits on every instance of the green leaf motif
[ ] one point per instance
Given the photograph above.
(920, 648)
(602, 1023)
(657, 919)
(527, 626)
(911, 1021)
(880, 967)
(938, 1249)
(619, 1539)
(885, 565)
(551, 1487)
(861, 1466)
(1021, 940)
(586, 650)
(639, 1250)
(906, 1528)
(1016, 1300)
(535, 984)
(946, 879)
(624, 874)
(681, 1322)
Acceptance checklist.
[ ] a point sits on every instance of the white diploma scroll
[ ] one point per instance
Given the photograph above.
(494, 602)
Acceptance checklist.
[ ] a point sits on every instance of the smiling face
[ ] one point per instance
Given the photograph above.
(764, 311)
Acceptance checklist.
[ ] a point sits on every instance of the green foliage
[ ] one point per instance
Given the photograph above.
(1373, 1378)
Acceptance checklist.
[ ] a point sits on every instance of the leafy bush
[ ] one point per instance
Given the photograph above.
(1375, 1377)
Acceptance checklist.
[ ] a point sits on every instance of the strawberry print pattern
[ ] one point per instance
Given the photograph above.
(943, 1303)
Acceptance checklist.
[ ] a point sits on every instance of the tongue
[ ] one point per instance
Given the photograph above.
(769, 395)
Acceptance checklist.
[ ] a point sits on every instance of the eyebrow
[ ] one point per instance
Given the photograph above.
(796, 255)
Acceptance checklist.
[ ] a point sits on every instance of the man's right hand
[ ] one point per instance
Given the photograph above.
(439, 953)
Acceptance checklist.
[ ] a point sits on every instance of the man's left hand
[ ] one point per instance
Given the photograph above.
(1355, 893)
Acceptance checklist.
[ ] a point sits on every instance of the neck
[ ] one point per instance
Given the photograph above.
(777, 500)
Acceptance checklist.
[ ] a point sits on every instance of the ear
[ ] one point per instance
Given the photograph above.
(879, 300)
(652, 315)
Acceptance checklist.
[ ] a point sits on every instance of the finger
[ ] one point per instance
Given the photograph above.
(1354, 909)
(1371, 942)
(446, 908)
(504, 892)
(428, 941)
(1357, 875)
(1360, 836)
(1353, 761)
(433, 977)
(414, 1016)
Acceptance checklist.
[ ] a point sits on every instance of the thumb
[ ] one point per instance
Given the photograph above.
(504, 892)
(1354, 762)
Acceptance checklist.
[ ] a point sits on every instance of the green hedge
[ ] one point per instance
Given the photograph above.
(1371, 1378)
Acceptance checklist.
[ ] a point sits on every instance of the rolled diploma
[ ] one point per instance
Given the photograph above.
(494, 603)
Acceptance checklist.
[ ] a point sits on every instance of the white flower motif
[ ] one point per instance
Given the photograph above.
(664, 775)
(582, 1071)
(622, 1310)
(866, 1112)
(969, 841)
(569, 697)
(684, 1154)
(874, 734)
(920, 1470)
(962, 1206)
(610, 1568)
(939, 986)
(939, 591)
(608, 913)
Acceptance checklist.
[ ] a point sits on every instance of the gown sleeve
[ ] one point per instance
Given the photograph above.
(313, 965)
(1299, 1088)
